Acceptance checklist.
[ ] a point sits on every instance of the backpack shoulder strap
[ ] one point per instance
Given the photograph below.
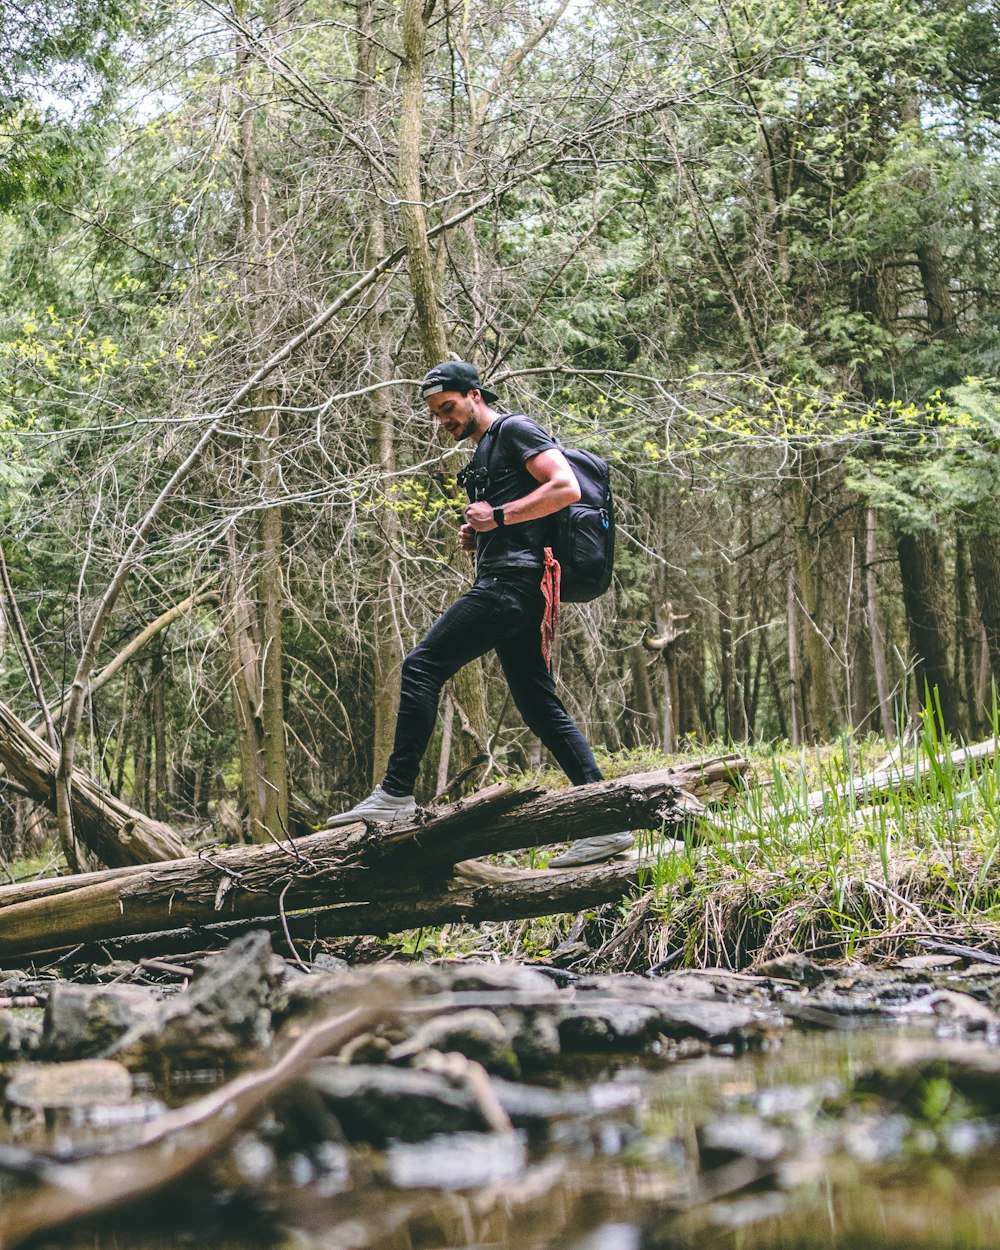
(495, 428)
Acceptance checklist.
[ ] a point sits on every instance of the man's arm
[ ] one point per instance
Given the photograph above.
(557, 487)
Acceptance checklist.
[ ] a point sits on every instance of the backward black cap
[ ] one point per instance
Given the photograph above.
(455, 375)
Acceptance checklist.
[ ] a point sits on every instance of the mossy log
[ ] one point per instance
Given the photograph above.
(366, 879)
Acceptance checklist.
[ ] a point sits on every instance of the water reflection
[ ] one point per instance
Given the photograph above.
(691, 1156)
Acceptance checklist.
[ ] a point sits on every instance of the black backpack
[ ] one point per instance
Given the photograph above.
(582, 535)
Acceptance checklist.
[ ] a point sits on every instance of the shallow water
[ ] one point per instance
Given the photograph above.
(628, 1181)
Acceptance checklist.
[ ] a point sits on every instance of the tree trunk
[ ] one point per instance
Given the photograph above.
(815, 676)
(157, 716)
(985, 554)
(430, 321)
(265, 750)
(921, 568)
(732, 700)
(966, 633)
(876, 633)
(468, 683)
(518, 896)
(245, 684)
(387, 643)
(794, 661)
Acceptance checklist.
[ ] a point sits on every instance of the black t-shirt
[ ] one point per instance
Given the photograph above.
(504, 450)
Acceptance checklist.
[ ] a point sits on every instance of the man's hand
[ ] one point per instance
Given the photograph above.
(480, 516)
(467, 539)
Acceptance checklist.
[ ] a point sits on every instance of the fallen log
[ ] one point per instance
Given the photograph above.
(520, 895)
(395, 878)
(114, 832)
(893, 777)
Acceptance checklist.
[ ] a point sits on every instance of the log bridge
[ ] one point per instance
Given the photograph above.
(374, 879)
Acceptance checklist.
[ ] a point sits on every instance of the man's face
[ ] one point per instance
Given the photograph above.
(455, 412)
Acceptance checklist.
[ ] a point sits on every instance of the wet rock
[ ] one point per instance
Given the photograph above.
(876, 1138)
(221, 1019)
(379, 1104)
(635, 1020)
(795, 967)
(730, 1137)
(534, 1037)
(76, 1083)
(689, 984)
(476, 1033)
(710, 1019)
(537, 1107)
(607, 1026)
(717, 1022)
(457, 1161)
(18, 1037)
(961, 1009)
(83, 1021)
(330, 963)
(498, 978)
(928, 963)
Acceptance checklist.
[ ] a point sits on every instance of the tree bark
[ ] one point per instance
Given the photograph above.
(983, 551)
(387, 643)
(920, 567)
(469, 685)
(876, 632)
(268, 752)
(116, 833)
(815, 673)
(519, 895)
(430, 321)
(797, 701)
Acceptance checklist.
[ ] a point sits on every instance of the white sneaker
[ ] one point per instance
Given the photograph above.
(378, 807)
(593, 850)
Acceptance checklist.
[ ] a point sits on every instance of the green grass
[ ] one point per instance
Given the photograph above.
(838, 876)
(799, 861)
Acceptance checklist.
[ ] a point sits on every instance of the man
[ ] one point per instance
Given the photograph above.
(517, 478)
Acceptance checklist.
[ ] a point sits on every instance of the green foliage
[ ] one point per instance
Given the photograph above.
(943, 463)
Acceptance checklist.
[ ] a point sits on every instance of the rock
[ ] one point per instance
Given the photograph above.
(330, 963)
(17, 1036)
(456, 1161)
(730, 1137)
(928, 963)
(635, 1021)
(498, 978)
(717, 1021)
(795, 967)
(534, 1036)
(379, 1104)
(221, 1019)
(76, 1083)
(82, 1021)
(475, 1033)
(607, 1026)
(537, 1108)
(961, 1009)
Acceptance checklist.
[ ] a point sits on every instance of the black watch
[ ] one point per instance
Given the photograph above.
(498, 518)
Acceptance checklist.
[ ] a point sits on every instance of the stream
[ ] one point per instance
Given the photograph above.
(861, 1128)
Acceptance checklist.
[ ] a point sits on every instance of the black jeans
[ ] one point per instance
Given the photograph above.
(502, 613)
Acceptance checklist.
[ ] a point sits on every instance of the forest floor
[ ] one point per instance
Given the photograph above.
(805, 860)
